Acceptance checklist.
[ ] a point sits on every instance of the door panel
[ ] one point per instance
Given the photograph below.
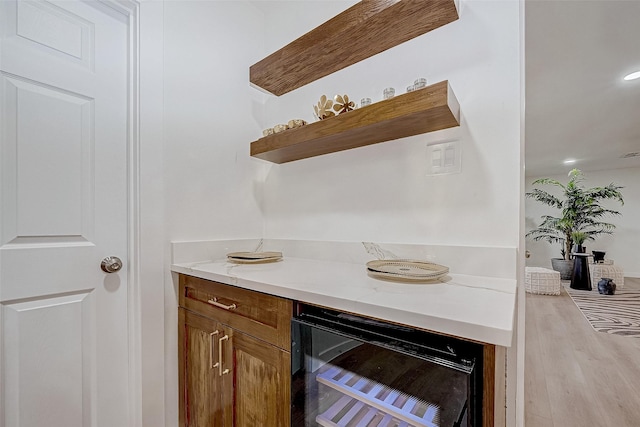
(50, 26)
(260, 383)
(50, 29)
(199, 347)
(53, 170)
(53, 370)
(63, 208)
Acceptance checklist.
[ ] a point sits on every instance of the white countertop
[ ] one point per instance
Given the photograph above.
(472, 307)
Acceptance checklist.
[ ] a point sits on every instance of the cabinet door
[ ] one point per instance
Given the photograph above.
(256, 388)
(200, 402)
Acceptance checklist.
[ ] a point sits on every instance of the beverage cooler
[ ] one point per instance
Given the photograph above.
(357, 372)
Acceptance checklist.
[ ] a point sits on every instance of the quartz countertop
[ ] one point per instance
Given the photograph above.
(478, 308)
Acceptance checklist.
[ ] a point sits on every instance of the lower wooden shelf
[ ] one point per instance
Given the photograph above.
(432, 108)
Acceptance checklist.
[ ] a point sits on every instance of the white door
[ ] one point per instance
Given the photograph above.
(63, 208)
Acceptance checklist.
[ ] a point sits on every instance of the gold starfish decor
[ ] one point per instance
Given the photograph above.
(323, 109)
(342, 104)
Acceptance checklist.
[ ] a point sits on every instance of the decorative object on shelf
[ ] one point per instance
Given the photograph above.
(280, 128)
(341, 104)
(420, 83)
(268, 132)
(365, 101)
(607, 286)
(388, 93)
(427, 110)
(598, 256)
(254, 257)
(296, 123)
(406, 270)
(323, 109)
(410, 88)
(580, 208)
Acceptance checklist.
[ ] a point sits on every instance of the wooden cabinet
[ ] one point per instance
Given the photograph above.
(199, 384)
(234, 356)
(235, 360)
(259, 384)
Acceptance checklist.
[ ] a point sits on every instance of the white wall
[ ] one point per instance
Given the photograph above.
(152, 225)
(211, 185)
(621, 246)
(381, 192)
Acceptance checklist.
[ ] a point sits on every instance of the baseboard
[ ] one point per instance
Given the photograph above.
(632, 274)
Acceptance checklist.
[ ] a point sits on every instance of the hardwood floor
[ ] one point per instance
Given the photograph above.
(575, 376)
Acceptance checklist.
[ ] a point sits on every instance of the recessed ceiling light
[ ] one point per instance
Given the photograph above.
(569, 161)
(632, 76)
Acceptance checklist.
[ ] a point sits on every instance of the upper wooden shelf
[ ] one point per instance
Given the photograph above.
(363, 30)
(429, 109)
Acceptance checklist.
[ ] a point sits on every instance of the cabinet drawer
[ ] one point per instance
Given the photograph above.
(263, 316)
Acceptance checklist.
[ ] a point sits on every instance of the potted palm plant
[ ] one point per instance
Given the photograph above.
(580, 210)
(579, 237)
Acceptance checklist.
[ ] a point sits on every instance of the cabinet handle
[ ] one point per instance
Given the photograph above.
(220, 371)
(214, 301)
(212, 350)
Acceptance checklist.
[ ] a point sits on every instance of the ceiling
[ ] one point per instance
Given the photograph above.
(577, 103)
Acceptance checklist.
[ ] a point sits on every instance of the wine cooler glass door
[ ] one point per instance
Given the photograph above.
(341, 380)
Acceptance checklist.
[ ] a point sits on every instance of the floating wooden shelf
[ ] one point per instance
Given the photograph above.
(425, 110)
(363, 30)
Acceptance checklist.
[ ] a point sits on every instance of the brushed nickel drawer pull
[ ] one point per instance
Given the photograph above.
(212, 350)
(220, 371)
(214, 301)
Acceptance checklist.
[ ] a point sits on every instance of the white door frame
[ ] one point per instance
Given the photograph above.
(146, 293)
(131, 9)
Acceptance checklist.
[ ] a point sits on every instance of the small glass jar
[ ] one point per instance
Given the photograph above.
(388, 93)
(420, 83)
(410, 88)
(365, 101)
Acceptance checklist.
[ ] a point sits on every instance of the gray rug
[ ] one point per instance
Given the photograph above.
(617, 314)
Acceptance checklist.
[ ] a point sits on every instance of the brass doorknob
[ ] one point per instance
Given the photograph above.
(111, 264)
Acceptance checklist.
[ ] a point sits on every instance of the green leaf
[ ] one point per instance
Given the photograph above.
(580, 211)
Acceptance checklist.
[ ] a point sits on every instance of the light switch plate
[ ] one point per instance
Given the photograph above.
(444, 158)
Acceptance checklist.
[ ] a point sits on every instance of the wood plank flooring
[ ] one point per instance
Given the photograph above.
(575, 376)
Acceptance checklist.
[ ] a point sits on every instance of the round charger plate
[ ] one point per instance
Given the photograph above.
(253, 257)
(402, 279)
(254, 261)
(408, 269)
